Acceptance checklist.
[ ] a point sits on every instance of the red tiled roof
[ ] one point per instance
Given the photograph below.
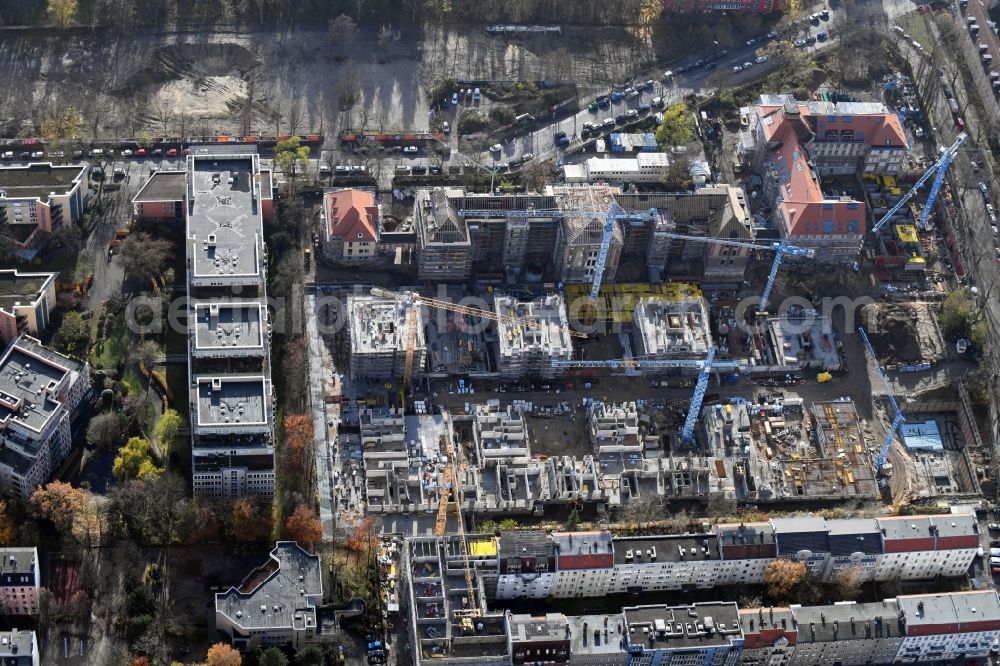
(804, 208)
(351, 215)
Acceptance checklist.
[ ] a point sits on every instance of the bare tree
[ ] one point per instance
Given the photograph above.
(387, 35)
(359, 5)
(294, 116)
(276, 116)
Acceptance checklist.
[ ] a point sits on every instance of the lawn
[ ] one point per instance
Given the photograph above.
(113, 353)
(915, 25)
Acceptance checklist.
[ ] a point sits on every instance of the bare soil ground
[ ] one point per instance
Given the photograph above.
(204, 83)
(904, 332)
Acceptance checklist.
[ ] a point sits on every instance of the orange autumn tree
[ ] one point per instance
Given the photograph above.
(221, 654)
(250, 522)
(57, 502)
(6, 525)
(298, 438)
(304, 526)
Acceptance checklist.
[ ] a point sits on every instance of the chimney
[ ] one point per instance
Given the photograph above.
(798, 124)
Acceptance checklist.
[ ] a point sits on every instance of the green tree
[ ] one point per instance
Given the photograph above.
(309, 655)
(677, 128)
(956, 311)
(272, 657)
(291, 157)
(134, 461)
(508, 524)
(74, 334)
(572, 521)
(62, 13)
(166, 431)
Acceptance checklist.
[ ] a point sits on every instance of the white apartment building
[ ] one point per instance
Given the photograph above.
(231, 401)
(39, 392)
(276, 603)
(643, 168)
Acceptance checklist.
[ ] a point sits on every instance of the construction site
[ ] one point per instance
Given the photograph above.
(783, 452)
(385, 337)
(904, 333)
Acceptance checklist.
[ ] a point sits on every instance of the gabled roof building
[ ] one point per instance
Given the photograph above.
(350, 225)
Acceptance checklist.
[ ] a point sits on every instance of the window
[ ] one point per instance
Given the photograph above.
(852, 206)
(828, 206)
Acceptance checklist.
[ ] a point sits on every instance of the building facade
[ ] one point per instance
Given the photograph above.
(19, 581)
(37, 199)
(40, 391)
(26, 303)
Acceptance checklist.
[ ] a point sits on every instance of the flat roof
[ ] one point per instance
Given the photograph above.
(235, 324)
(673, 627)
(224, 221)
(583, 543)
(667, 548)
(525, 543)
(595, 634)
(163, 186)
(232, 400)
(38, 180)
(526, 628)
(923, 436)
(847, 621)
(27, 373)
(909, 527)
(19, 643)
(22, 288)
(934, 609)
(276, 594)
(17, 561)
(955, 524)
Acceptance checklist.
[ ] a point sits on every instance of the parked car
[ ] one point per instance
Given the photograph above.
(475, 95)
(418, 170)
(632, 95)
(751, 42)
(496, 148)
(25, 155)
(127, 153)
(983, 188)
(141, 152)
(657, 101)
(157, 152)
(822, 35)
(644, 108)
(616, 97)
(736, 68)
(172, 152)
(631, 113)
(527, 157)
(410, 149)
(761, 58)
(454, 99)
(620, 118)
(445, 127)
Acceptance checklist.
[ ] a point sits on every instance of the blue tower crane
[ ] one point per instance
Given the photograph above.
(780, 248)
(899, 417)
(939, 169)
(614, 213)
(706, 366)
